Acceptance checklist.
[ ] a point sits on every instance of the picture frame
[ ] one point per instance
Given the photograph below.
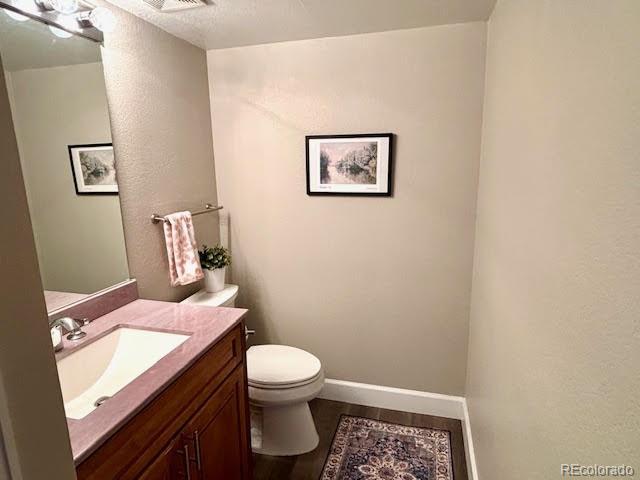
(93, 169)
(358, 164)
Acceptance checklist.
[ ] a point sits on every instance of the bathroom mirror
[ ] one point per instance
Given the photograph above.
(58, 102)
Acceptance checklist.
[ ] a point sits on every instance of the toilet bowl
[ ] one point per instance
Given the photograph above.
(282, 380)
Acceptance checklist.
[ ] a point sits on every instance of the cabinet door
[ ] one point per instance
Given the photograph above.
(171, 464)
(220, 432)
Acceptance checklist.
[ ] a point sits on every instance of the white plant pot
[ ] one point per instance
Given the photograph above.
(214, 279)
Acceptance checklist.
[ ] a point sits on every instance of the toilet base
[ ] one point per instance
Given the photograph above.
(285, 430)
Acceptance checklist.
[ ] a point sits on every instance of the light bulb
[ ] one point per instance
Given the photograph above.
(16, 16)
(58, 32)
(103, 19)
(65, 7)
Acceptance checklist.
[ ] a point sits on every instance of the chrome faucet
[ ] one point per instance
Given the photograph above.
(73, 326)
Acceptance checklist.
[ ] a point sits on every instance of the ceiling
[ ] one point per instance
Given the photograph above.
(30, 44)
(232, 23)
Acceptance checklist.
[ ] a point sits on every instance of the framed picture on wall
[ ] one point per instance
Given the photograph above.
(94, 169)
(357, 164)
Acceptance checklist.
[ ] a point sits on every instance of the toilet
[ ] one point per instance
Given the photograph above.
(282, 380)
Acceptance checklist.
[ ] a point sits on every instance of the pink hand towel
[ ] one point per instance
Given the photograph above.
(184, 262)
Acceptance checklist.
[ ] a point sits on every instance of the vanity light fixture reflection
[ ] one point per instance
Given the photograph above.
(103, 19)
(60, 33)
(18, 17)
(100, 17)
(25, 6)
(65, 7)
(72, 15)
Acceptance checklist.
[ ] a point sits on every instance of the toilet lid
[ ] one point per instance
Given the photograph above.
(219, 299)
(280, 365)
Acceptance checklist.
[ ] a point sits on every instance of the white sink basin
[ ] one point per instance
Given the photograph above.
(104, 367)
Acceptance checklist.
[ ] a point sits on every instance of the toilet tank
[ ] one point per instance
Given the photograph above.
(224, 298)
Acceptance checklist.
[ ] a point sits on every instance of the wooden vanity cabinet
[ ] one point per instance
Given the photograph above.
(205, 438)
(167, 465)
(217, 433)
(213, 445)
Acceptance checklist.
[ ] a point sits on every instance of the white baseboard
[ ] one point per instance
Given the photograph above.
(413, 401)
(394, 398)
(469, 451)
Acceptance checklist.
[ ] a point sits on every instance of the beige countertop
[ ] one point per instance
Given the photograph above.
(204, 325)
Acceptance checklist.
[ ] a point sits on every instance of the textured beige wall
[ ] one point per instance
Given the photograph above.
(161, 126)
(554, 343)
(31, 412)
(4, 463)
(79, 238)
(378, 288)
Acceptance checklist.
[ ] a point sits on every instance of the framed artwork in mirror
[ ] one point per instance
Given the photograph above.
(357, 164)
(94, 169)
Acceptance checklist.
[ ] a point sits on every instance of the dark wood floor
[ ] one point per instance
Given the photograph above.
(327, 414)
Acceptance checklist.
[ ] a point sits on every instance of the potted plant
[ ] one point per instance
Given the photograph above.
(214, 262)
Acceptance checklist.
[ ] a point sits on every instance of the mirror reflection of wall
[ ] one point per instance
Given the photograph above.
(58, 100)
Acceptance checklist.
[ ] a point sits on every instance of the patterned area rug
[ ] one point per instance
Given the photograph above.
(365, 449)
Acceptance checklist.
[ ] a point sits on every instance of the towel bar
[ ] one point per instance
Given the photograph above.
(155, 218)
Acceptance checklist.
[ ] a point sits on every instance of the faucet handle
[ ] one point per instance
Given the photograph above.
(56, 338)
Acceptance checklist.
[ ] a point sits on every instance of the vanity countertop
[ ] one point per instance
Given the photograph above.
(204, 325)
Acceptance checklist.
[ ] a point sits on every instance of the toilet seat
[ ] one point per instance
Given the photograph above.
(278, 396)
(268, 386)
(281, 367)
